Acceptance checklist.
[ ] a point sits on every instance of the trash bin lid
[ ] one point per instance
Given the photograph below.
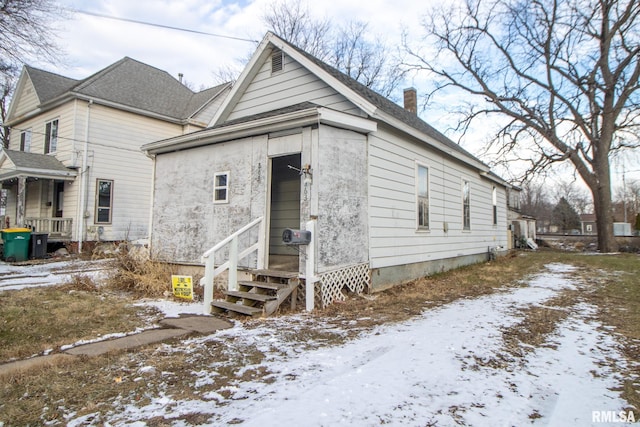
(16, 230)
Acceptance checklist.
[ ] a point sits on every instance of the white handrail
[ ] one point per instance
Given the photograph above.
(211, 271)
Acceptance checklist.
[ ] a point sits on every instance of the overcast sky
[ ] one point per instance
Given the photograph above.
(92, 43)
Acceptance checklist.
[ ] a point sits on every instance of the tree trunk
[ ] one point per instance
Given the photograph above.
(601, 191)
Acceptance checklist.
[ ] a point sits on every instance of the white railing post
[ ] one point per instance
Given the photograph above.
(261, 246)
(208, 284)
(310, 267)
(233, 264)
(208, 258)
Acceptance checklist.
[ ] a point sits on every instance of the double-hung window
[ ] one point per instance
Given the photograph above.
(51, 137)
(422, 194)
(25, 141)
(104, 201)
(221, 187)
(466, 206)
(494, 198)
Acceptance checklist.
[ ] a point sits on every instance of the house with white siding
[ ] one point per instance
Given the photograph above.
(73, 167)
(299, 145)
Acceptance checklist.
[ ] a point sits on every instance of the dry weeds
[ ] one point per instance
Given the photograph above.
(106, 383)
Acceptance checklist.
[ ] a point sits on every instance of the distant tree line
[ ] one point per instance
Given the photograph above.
(562, 203)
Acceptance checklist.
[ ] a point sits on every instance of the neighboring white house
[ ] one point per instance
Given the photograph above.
(73, 167)
(298, 143)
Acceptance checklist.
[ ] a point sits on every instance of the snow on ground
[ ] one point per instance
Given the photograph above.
(14, 276)
(427, 371)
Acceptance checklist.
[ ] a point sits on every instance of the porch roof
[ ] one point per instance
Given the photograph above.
(14, 164)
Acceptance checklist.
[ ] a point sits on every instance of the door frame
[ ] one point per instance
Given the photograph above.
(268, 202)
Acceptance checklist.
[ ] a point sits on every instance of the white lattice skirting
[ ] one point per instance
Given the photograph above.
(331, 284)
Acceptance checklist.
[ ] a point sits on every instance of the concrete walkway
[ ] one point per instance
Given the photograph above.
(174, 327)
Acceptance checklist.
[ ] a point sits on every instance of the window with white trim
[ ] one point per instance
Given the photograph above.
(25, 141)
(494, 198)
(104, 201)
(422, 196)
(466, 206)
(51, 137)
(221, 187)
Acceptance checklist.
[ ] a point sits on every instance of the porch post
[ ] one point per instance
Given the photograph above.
(22, 201)
(310, 267)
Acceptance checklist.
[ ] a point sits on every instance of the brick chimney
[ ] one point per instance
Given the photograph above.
(411, 100)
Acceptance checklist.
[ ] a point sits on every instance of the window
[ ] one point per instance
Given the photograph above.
(422, 190)
(25, 141)
(494, 197)
(104, 201)
(51, 137)
(466, 206)
(277, 60)
(221, 187)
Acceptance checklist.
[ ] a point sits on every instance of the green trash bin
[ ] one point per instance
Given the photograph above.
(16, 243)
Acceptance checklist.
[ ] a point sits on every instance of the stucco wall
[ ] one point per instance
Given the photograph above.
(340, 180)
(185, 221)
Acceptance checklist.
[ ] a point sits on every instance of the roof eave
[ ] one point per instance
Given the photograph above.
(39, 173)
(240, 130)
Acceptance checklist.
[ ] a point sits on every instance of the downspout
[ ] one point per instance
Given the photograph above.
(151, 202)
(83, 182)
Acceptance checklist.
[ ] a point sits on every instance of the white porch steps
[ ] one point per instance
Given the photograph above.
(261, 296)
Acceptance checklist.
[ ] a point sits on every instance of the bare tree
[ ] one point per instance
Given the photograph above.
(349, 48)
(26, 33)
(561, 75)
(6, 89)
(293, 22)
(573, 194)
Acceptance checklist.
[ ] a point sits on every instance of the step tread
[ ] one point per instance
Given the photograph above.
(263, 285)
(275, 273)
(239, 308)
(251, 296)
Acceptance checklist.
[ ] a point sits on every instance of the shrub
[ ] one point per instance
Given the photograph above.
(140, 276)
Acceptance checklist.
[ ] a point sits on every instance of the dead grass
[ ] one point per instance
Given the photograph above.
(43, 319)
(402, 302)
(106, 383)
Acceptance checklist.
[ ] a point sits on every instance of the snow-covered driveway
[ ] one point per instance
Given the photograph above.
(424, 372)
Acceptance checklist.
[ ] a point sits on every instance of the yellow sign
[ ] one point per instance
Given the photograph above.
(182, 286)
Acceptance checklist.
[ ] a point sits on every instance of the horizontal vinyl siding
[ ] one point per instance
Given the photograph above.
(65, 116)
(115, 138)
(394, 237)
(28, 100)
(292, 86)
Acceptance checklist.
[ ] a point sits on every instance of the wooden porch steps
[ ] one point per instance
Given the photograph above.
(261, 296)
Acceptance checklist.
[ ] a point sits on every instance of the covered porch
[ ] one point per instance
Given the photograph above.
(34, 193)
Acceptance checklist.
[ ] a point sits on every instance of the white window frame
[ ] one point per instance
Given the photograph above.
(51, 136)
(494, 200)
(25, 140)
(422, 227)
(466, 205)
(217, 187)
(99, 207)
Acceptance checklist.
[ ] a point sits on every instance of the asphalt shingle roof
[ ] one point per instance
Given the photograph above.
(35, 161)
(386, 105)
(127, 82)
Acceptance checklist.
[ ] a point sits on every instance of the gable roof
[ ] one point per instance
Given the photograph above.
(128, 84)
(48, 85)
(373, 104)
(19, 163)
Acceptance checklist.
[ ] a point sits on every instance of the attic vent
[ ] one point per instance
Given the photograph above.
(277, 60)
